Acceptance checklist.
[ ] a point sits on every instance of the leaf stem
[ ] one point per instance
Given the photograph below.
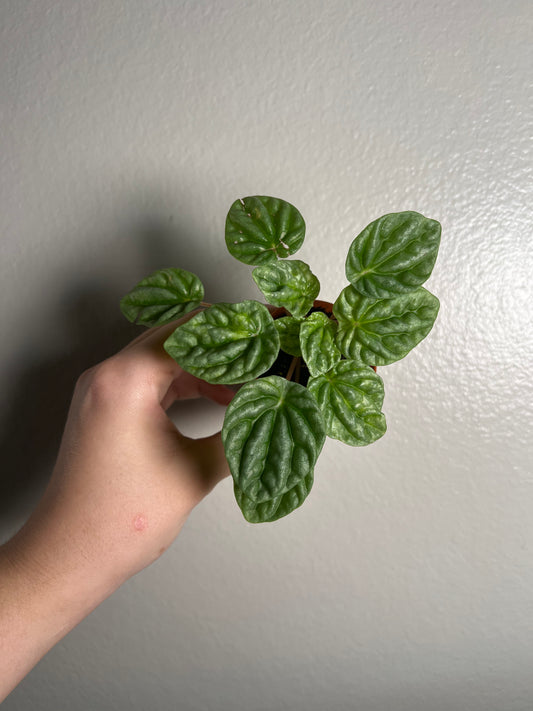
(205, 305)
(292, 367)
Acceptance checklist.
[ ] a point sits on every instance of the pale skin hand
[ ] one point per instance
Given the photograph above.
(123, 485)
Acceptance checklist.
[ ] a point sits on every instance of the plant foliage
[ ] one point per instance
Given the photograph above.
(273, 433)
(262, 229)
(290, 284)
(163, 297)
(226, 343)
(275, 427)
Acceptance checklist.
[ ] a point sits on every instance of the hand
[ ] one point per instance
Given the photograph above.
(123, 485)
(126, 479)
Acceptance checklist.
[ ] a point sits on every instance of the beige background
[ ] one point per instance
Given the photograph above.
(405, 582)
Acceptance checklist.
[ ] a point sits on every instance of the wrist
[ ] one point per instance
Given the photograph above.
(39, 604)
(52, 563)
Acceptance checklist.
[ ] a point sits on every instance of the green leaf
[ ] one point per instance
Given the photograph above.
(289, 284)
(226, 343)
(317, 341)
(393, 255)
(379, 332)
(275, 508)
(162, 297)
(350, 396)
(288, 329)
(261, 229)
(273, 433)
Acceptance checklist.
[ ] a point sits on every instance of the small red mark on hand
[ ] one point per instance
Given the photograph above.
(139, 522)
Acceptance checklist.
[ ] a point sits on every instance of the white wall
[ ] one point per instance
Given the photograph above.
(128, 128)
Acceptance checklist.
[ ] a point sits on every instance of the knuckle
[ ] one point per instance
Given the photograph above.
(116, 379)
(86, 376)
(105, 382)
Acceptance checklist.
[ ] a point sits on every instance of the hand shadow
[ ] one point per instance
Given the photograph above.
(36, 408)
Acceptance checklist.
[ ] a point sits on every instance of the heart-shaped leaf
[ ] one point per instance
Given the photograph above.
(277, 507)
(393, 255)
(317, 341)
(379, 332)
(162, 297)
(290, 284)
(288, 329)
(226, 343)
(350, 396)
(273, 433)
(261, 229)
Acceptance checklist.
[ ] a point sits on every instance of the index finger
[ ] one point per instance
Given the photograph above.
(155, 370)
(164, 331)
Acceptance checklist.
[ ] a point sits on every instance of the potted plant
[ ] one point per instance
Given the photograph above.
(307, 367)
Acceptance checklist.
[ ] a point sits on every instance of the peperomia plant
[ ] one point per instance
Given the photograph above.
(308, 368)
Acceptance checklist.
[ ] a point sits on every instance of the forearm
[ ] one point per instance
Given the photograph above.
(39, 604)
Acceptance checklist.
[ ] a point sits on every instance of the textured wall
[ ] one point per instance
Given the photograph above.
(128, 128)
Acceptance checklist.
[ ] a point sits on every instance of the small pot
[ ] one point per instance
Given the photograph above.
(325, 306)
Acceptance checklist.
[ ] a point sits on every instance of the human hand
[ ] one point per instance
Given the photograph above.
(123, 485)
(126, 479)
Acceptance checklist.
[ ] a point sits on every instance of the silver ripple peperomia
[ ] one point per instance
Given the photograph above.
(393, 255)
(350, 397)
(261, 230)
(275, 427)
(382, 331)
(226, 343)
(163, 297)
(290, 284)
(273, 433)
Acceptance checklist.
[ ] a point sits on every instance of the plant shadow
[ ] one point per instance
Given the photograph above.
(34, 412)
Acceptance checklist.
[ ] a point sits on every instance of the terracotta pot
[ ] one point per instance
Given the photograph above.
(318, 305)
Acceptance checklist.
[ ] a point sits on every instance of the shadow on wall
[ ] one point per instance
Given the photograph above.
(35, 411)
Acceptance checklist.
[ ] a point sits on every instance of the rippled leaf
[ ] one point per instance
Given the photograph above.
(393, 255)
(275, 508)
(261, 229)
(379, 332)
(162, 297)
(288, 329)
(317, 341)
(289, 284)
(273, 433)
(226, 343)
(350, 396)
